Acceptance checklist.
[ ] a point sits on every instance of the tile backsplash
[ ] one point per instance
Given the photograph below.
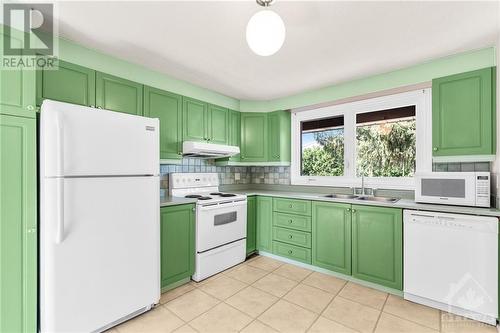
(457, 167)
(228, 175)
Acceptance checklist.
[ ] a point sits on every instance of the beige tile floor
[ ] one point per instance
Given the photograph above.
(265, 295)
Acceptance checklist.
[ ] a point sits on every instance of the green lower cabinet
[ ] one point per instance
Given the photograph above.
(68, 83)
(377, 245)
(167, 107)
(177, 232)
(117, 94)
(264, 224)
(292, 252)
(251, 225)
(331, 233)
(294, 237)
(18, 224)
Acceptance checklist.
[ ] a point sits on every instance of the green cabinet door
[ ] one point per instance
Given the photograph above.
(463, 114)
(331, 236)
(117, 94)
(279, 136)
(168, 108)
(235, 132)
(17, 86)
(177, 232)
(218, 124)
(377, 242)
(254, 137)
(264, 224)
(251, 225)
(68, 83)
(195, 120)
(18, 234)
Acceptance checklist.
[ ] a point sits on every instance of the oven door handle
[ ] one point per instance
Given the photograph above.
(229, 204)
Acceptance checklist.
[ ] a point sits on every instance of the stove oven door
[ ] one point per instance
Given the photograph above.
(220, 224)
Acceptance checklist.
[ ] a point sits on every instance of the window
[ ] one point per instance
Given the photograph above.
(386, 143)
(322, 147)
(385, 139)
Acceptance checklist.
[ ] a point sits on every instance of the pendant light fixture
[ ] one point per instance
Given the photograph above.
(265, 30)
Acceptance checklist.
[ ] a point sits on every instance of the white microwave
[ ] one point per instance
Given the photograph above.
(453, 188)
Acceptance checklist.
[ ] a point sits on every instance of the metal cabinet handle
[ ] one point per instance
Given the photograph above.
(349, 210)
(290, 251)
(290, 221)
(435, 148)
(30, 107)
(290, 236)
(354, 211)
(291, 206)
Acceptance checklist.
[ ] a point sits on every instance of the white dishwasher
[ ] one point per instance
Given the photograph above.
(451, 263)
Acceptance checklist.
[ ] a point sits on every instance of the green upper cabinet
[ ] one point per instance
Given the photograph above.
(168, 108)
(254, 137)
(463, 114)
(264, 224)
(377, 245)
(331, 234)
(279, 136)
(235, 132)
(205, 122)
(218, 124)
(117, 94)
(18, 234)
(195, 118)
(177, 233)
(251, 225)
(68, 83)
(17, 87)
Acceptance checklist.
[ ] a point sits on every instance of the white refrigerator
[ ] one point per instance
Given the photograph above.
(99, 217)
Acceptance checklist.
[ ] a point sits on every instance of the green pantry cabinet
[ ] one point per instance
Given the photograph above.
(18, 202)
(177, 234)
(463, 114)
(358, 240)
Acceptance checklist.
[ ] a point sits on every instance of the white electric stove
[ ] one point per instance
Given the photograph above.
(221, 222)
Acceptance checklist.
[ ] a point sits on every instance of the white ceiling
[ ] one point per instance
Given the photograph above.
(327, 42)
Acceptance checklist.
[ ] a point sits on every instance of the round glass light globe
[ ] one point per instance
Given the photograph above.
(265, 32)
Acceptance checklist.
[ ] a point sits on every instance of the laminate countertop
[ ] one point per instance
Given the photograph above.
(402, 203)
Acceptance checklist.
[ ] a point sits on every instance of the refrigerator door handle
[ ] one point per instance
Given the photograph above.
(60, 181)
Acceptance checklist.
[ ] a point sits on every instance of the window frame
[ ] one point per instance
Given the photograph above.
(420, 98)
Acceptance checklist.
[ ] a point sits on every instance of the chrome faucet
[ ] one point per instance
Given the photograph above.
(362, 184)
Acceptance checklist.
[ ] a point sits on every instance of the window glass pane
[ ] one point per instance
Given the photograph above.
(323, 147)
(386, 143)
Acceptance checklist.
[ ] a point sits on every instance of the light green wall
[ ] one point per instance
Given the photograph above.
(83, 56)
(411, 75)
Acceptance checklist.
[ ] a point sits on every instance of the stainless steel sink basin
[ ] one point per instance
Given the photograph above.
(379, 199)
(341, 196)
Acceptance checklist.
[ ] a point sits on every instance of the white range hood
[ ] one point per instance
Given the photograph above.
(208, 150)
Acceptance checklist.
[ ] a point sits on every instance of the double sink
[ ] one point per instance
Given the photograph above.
(362, 198)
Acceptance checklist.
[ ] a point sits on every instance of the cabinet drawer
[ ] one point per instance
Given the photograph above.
(293, 206)
(296, 222)
(293, 237)
(293, 252)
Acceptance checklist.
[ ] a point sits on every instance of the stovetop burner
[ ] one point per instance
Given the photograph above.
(216, 193)
(204, 198)
(193, 196)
